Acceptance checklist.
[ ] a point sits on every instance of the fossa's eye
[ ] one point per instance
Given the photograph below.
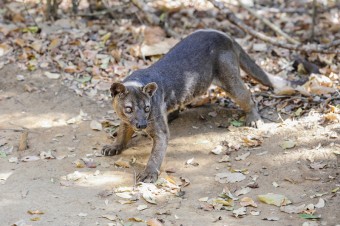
(147, 109)
(128, 109)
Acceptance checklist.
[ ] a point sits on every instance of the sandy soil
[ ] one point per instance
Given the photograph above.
(39, 185)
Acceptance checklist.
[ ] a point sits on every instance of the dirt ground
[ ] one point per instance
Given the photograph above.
(40, 185)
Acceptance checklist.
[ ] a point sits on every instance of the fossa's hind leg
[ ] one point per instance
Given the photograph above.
(228, 78)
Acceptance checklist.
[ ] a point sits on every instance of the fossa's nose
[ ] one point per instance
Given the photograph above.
(141, 125)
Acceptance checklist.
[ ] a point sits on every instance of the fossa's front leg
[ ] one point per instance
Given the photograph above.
(159, 133)
(124, 134)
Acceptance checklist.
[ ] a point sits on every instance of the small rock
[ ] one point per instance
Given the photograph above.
(20, 78)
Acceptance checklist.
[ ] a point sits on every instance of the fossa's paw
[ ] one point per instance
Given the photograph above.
(254, 120)
(110, 150)
(147, 176)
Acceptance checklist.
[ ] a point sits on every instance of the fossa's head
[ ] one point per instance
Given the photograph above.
(133, 103)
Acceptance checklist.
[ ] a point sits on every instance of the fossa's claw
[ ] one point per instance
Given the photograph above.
(110, 150)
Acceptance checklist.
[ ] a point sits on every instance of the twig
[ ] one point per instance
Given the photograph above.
(321, 48)
(23, 144)
(106, 5)
(275, 28)
(313, 20)
(35, 23)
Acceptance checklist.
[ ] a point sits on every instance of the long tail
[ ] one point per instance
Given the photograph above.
(250, 67)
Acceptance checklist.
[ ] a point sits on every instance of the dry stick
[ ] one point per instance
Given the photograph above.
(272, 26)
(321, 48)
(313, 20)
(23, 144)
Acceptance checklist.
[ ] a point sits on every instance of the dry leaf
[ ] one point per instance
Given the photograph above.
(229, 177)
(109, 217)
(293, 209)
(242, 157)
(122, 163)
(54, 44)
(154, 222)
(246, 201)
(288, 144)
(274, 199)
(242, 191)
(95, 125)
(217, 150)
(240, 212)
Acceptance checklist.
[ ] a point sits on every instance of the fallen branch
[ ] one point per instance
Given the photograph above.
(319, 48)
(272, 26)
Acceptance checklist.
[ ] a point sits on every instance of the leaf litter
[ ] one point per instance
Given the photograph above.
(98, 65)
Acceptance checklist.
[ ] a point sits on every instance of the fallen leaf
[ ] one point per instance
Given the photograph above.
(309, 216)
(242, 191)
(158, 48)
(204, 199)
(35, 219)
(46, 155)
(32, 212)
(89, 162)
(240, 211)
(229, 177)
(236, 123)
(13, 160)
(76, 175)
(288, 144)
(20, 77)
(135, 219)
(149, 197)
(293, 209)
(317, 165)
(225, 158)
(95, 125)
(242, 156)
(153, 222)
(122, 163)
(217, 150)
(4, 49)
(191, 162)
(54, 44)
(320, 204)
(124, 195)
(246, 201)
(185, 181)
(274, 199)
(106, 37)
(255, 213)
(142, 207)
(109, 217)
(123, 202)
(30, 158)
(275, 184)
(251, 141)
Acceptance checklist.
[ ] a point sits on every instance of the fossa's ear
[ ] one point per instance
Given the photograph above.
(117, 88)
(150, 88)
